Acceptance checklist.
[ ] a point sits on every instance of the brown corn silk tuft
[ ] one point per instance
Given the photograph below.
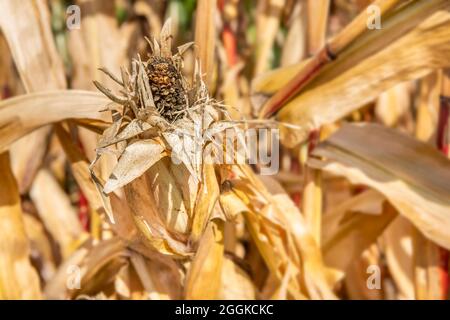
(168, 92)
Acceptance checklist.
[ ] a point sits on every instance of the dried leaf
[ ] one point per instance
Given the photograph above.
(207, 196)
(381, 158)
(330, 98)
(40, 68)
(56, 211)
(203, 280)
(40, 246)
(282, 238)
(354, 234)
(398, 244)
(205, 37)
(236, 283)
(39, 109)
(267, 24)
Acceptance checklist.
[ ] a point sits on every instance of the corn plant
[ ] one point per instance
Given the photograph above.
(113, 183)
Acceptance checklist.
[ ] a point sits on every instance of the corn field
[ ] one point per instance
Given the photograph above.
(225, 149)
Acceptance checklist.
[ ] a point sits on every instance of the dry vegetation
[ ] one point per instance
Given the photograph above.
(91, 205)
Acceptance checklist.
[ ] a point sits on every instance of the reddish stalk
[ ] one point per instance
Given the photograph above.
(443, 132)
(221, 5)
(228, 38)
(443, 125)
(83, 211)
(309, 72)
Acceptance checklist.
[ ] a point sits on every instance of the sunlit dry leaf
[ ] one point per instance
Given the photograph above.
(346, 85)
(427, 264)
(381, 158)
(18, 279)
(268, 24)
(27, 154)
(56, 211)
(203, 280)
(67, 276)
(317, 23)
(236, 283)
(40, 68)
(357, 41)
(416, 54)
(428, 106)
(393, 104)
(280, 233)
(205, 36)
(40, 246)
(294, 47)
(398, 242)
(358, 281)
(206, 199)
(354, 234)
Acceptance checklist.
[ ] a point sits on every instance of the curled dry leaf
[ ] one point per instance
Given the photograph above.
(279, 231)
(381, 158)
(236, 283)
(90, 266)
(39, 109)
(57, 288)
(205, 37)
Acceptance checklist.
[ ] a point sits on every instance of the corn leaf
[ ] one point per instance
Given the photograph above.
(381, 158)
